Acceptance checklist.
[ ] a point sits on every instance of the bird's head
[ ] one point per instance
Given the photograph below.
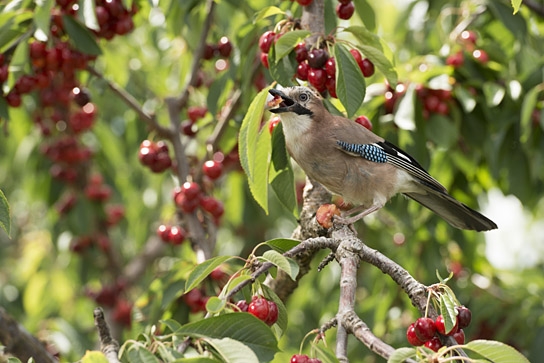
(297, 100)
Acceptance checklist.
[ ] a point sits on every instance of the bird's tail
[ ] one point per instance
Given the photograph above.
(453, 211)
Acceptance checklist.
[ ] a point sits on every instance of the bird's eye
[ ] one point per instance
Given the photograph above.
(303, 97)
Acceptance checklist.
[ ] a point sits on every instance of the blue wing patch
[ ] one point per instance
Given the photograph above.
(371, 152)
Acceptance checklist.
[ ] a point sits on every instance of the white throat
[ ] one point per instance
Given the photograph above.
(295, 128)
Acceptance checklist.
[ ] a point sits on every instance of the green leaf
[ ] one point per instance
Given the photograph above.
(366, 13)
(401, 354)
(494, 93)
(80, 36)
(516, 5)
(202, 270)
(20, 60)
(266, 12)
(288, 41)
(4, 113)
(447, 309)
(527, 108)
(381, 62)
(253, 154)
(138, 354)
(282, 178)
(215, 305)
(5, 214)
(365, 36)
(232, 351)
(496, 352)
(88, 13)
(325, 354)
(241, 327)
(171, 324)
(281, 70)
(94, 357)
(42, 19)
(288, 265)
(350, 83)
(441, 130)
(467, 100)
(282, 245)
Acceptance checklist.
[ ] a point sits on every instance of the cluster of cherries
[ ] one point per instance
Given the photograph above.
(303, 358)
(223, 48)
(194, 113)
(173, 235)
(468, 39)
(155, 155)
(434, 100)
(263, 309)
(425, 330)
(189, 196)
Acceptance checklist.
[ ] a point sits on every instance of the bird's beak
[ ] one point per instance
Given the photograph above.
(282, 103)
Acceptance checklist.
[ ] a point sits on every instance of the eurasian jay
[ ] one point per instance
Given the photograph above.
(361, 167)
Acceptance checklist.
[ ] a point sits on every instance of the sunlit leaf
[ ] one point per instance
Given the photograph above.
(80, 36)
(88, 14)
(202, 270)
(266, 12)
(214, 304)
(94, 357)
(5, 214)
(516, 5)
(282, 245)
(42, 19)
(401, 354)
(232, 351)
(496, 352)
(447, 309)
(527, 108)
(287, 265)
(288, 41)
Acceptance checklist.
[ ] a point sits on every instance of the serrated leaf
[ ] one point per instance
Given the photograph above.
(447, 309)
(266, 12)
(214, 304)
(281, 70)
(5, 214)
(282, 245)
(233, 283)
(494, 93)
(88, 13)
(516, 5)
(381, 62)
(405, 115)
(202, 270)
(232, 351)
(496, 352)
(80, 36)
(288, 265)
(288, 41)
(527, 107)
(241, 327)
(94, 357)
(42, 19)
(254, 157)
(350, 83)
(401, 354)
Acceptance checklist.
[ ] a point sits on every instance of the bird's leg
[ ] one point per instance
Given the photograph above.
(355, 218)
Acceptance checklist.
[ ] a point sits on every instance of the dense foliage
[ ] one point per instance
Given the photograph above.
(136, 147)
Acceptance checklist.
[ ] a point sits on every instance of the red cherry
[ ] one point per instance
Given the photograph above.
(188, 128)
(443, 108)
(367, 67)
(124, 26)
(344, 1)
(456, 60)
(25, 84)
(441, 328)
(122, 313)
(209, 51)
(272, 313)
(345, 11)
(356, 55)
(302, 71)
(212, 169)
(163, 232)
(264, 60)
(434, 344)
(330, 67)
(464, 316)
(212, 206)
(242, 305)
(412, 337)
(274, 121)
(80, 96)
(317, 78)
(107, 296)
(218, 274)
(37, 50)
(317, 58)
(191, 190)
(469, 36)
(431, 103)
(225, 47)
(265, 41)
(195, 113)
(304, 2)
(4, 73)
(259, 308)
(300, 358)
(176, 235)
(185, 204)
(301, 53)
(13, 99)
(364, 121)
(102, 15)
(459, 336)
(481, 56)
(331, 86)
(424, 329)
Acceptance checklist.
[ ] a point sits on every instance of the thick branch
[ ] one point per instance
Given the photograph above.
(20, 343)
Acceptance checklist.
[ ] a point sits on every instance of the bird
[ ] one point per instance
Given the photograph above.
(358, 165)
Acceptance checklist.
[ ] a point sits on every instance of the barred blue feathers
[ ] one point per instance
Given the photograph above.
(371, 152)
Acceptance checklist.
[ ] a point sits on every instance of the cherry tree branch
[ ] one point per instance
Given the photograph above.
(20, 343)
(108, 345)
